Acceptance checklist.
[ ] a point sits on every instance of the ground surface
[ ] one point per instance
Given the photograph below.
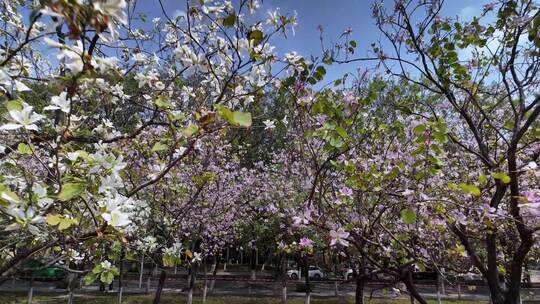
(12, 298)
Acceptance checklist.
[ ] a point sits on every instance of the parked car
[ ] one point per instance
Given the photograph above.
(39, 271)
(471, 277)
(428, 275)
(348, 274)
(314, 272)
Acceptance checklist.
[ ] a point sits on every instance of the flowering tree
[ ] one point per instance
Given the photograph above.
(476, 131)
(88, 95)
(358, 151)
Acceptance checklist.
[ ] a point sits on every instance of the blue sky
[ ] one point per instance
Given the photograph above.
(334, 16)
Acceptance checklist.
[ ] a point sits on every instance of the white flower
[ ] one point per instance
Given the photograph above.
(175, 250)
(106, 265)
(110, 183)
(197, 257)
(74, 255)
(5, 81)
(24, 219)
(148, 244)
(116, 218)
(532, 165)
(178, 152)
(51, 43)
(117, 210)
(139, 58)
(59, 102)
(104, 64)
(113, 8)
(269, 124)
(24, 118)
(21, 87)
(72, 156)
(71, 57)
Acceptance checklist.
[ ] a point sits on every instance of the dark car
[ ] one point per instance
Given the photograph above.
(39, 271)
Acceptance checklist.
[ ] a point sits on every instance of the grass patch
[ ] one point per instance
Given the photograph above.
(11, 298)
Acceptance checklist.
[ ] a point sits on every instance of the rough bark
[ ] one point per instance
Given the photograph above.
(359, 292)
(159, 289)
(406, 278)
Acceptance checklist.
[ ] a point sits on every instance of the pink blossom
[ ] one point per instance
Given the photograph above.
(531, 197)
(346, 191)
(305, 242)
(489, 6)
(338, 237)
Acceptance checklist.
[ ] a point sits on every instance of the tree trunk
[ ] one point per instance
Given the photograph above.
(71, 286)
(359, 293)
(30, 290)
(308, 289)
(141, 271)
(406, 277)
(121, 276)
(226, 259)
(214, 273)
(253, 262)
(205, 290)
(148, 280)
(159, 289)
(283, 278)
(193, 276)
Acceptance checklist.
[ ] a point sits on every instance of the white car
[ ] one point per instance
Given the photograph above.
(313, 272)
(471, 276)
(349, 274)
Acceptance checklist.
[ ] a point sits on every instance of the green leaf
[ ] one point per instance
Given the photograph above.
(190, 130)
(321, 70)
(471, 189)
(237, 118)
(107, 277)
(7, 196)
(14, 105)
(440, 137)
(352, 43)
(419, 129)
(70, 190)
(65, 223)
(53, 219)
(256, 36)
(503, 177)
(159, 147)
(408, 216)
(89, 278)
(342, 132)
(229, 20)
(24, 149)
(243, 119)
(336, 141)
(482, 179)
(163, 102)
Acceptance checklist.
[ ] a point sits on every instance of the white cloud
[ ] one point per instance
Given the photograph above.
(177, 13)
(468, 12)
